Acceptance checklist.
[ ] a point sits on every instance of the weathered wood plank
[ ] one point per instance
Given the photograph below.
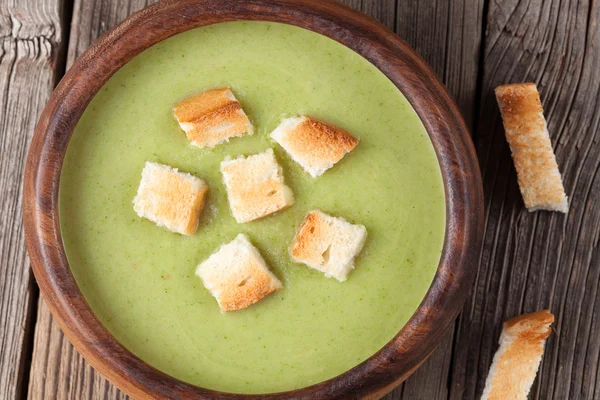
(537, 260)
(383, 11)
(30, 45)
(430, 381)
(58, 371)
(447, 34)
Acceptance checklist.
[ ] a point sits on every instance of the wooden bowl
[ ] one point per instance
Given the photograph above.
(451, 140)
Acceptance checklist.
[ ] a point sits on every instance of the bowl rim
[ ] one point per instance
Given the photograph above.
(429, 98)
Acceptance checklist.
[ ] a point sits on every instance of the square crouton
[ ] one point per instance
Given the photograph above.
(237, 276)
(313, 144)
(212, 117)
(170, 198)
(255, 186)
(328, 244)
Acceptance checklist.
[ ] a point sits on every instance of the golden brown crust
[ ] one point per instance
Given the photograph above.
(239, 293)
(252, 194)
(525, 126)
(323, 141)
(194, 107)
(516, 362)
(328, 244)
(255, 186)
(314, 144)
(170, 198)
(212, 117)
(539, 320)
(308, 237)
(237, 275)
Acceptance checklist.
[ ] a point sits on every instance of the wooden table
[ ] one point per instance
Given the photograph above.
(528, 261)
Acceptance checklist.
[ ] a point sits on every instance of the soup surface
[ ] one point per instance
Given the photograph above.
(139, 278)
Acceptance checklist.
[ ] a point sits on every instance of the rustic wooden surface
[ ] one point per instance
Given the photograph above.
(537, 260)
(31, 44)
(528, 261)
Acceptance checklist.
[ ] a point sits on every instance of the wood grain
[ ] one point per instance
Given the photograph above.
(383, 11)
(57, 370)
(430, 381)
(448, 35)
(30, 44)
(538, 260)
(393, 57)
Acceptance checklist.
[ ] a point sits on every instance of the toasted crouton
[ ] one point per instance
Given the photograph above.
(212, 117)
(255, 186)
(526, 132)
(313, 144)
(237, 276)
(517, 360)
(328, 244)
(169, 198)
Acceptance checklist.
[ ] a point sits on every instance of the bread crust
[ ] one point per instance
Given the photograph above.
(212, 117)
(517, 360)
(255, 186)
(527, 134)
(306, 245)
(235, 297)
(328, 244)
(170, 198)
(237, 275)
(314, 144)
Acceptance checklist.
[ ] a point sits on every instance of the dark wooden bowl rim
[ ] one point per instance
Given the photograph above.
(446, 128)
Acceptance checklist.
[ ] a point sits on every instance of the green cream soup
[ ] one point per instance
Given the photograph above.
(139, 279)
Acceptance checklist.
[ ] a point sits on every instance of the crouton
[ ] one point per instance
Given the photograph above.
(313, 144)
(255, 186)
(169, 198)
(212, 117)
(526, 132)
(237, 276)
(328, 244)
(518, 359)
